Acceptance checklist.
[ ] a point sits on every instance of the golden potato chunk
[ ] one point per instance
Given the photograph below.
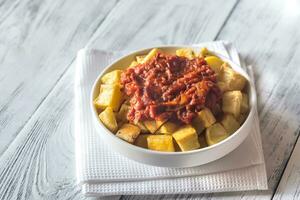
(244, 104)
(176, 147)
(160, 143)
(133, 64)
(107, 117)
(206, 117)
(141, 140)
(153, 125)
(145, 58)
(238, 82)
(227, 73)
(215, 63)
(112, 77)
(204, 52)
(140, 59)
(232, 103)
(186, 138)
(150, 55)
(142, 127)
(128, 132)
(222, 86)
(230, 123)
(110, 96)
(122, 114)
(186, 52)
(168, 128)
(233, 80)
(215, 133)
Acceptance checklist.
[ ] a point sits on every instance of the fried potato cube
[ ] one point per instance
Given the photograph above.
(215, 133)
(222, 86)
(141, 140)
(232, 103)
(112, 77)
(204, 52)
(153, 125)
(150, 55)
(133, 64)
(215, 63)
(128, 132)
(142, 127)
(230, 123)
(227, 73)
(206, 117)
(187, 138)
(234, 80)
(122, 114)
(160, 143)
(110, 95)
(145, 58)
(245, 103)
(140, 59)
(168, 128)
(176, 147)
(238, 82)
(107, 117)
(159, 123)
(186, 52)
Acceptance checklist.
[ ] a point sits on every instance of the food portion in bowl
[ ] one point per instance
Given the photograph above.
(179, 102)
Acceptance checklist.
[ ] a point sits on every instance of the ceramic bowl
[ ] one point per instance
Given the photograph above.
(172, 159)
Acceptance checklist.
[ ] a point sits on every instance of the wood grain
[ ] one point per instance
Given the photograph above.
(38, 40)
(275, 60)
(37, 159)
(289, 187)
(137, 24)
(39, 162)
(267, 36)
(39, 156)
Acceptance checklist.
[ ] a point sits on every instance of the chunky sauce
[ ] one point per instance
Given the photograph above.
(170, 87)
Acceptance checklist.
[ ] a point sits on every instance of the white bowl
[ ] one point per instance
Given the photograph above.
(172, 159)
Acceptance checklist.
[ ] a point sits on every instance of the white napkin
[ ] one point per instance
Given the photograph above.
(103, 172)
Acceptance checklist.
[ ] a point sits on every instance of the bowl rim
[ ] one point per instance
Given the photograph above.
(252, 91)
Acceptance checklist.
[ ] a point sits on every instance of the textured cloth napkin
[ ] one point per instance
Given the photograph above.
(103, 172)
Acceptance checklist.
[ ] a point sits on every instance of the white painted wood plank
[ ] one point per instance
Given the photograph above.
(40, 162)
(268, 35)
(289, 186)
(269, 38)
(38, 40)
(138, 24)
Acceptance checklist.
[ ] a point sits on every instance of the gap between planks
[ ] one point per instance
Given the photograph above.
(285, 167)
(65, 71)
(58, 79)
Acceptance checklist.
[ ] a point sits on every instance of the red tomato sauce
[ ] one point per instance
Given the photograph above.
(170, 87)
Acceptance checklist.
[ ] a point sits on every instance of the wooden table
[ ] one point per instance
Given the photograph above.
(38, 45)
